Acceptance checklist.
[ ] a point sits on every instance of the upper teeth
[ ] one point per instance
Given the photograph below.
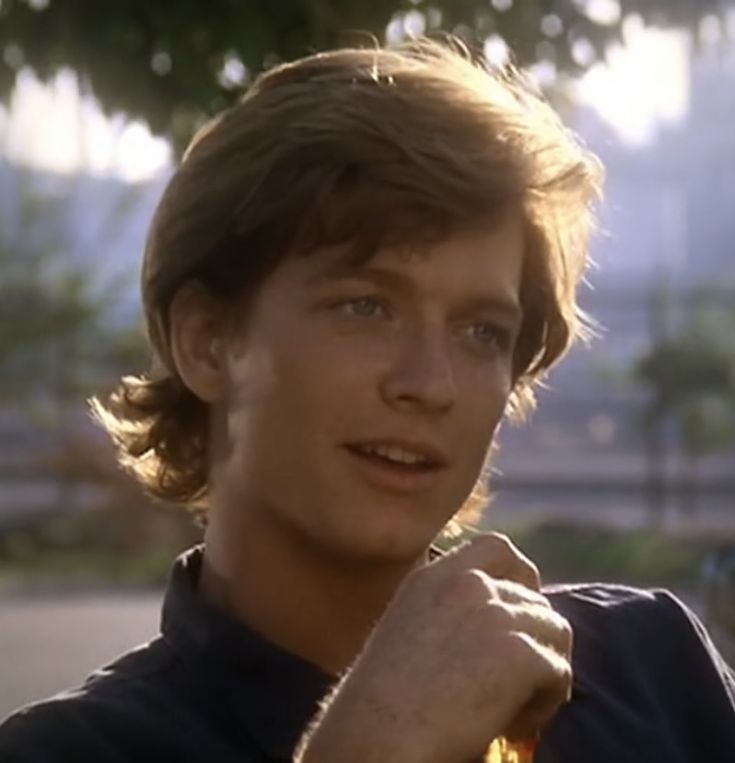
(394, 454)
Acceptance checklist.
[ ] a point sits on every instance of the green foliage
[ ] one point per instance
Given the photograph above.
(57, 338)
(691, 376)
(174, 63)
(636, 557)
(566, 552)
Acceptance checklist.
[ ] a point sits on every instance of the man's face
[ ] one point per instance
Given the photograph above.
(361, 401)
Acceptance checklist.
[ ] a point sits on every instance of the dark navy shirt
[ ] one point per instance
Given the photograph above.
(649, 687)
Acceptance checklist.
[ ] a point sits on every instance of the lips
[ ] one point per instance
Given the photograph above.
(398, 466)
(408, 452)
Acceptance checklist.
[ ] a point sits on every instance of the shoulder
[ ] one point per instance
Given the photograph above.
(614, 611)
(113, 700)
(602, 594)
(649, 631)
(608, 602)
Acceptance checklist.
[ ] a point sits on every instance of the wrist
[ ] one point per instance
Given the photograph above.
(361, 731)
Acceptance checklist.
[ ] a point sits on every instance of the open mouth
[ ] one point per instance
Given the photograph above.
(404, 463)
(396, 457)
(398, 467)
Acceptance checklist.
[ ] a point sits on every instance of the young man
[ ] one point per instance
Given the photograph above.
(355, 274)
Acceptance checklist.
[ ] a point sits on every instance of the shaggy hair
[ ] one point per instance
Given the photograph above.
(366, 148)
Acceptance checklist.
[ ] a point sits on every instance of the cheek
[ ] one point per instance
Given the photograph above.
(299, 391)
(482, 407)
(326, 372)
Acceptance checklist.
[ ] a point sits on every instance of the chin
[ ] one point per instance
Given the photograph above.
(393, 541)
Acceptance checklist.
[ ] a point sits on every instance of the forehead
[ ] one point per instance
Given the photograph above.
(488, 259)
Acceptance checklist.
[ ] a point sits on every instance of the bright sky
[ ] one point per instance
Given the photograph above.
(641, 85)
(53, 127)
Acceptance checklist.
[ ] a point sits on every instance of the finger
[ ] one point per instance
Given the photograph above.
(544, 625)
(551, 687)
(509, 591)
(539, 621)
(496, 555)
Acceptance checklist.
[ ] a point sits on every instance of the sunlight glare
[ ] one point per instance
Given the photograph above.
(496, 50)
(603, 11)
(52, 126)
(641, 85)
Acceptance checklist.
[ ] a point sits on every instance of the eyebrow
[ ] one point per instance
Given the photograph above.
(499, 304)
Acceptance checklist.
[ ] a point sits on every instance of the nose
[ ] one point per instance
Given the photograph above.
(421, 376)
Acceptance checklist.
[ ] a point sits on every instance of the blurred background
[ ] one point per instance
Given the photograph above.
(627, 470)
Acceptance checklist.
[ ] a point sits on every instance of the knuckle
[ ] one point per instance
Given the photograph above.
(499, 554)
(518, 592)
(470, 585)
(454, 589)
(519, 646)
(525, 570)
(563, 628)
(566, 672)
(497, 615)
(495, 543)
(559, 672)
(563, 683)
(533, 571)
(502, 542)
(566, 629)
(569, 642)
(508, 553)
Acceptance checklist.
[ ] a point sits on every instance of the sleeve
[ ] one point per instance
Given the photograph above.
(20, 740)
(58, 729)
(649, 677)
(698, 682)
(110, 729)
(703, 642)
(714, 670)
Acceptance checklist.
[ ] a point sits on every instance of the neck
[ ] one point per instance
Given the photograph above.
(319, 607)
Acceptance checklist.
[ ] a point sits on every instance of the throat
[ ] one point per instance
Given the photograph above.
(292, 594)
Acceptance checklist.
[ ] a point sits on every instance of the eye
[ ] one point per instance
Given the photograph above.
(361, 307)
(488, 335)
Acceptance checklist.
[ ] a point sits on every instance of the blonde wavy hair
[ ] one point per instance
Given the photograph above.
(363, 147)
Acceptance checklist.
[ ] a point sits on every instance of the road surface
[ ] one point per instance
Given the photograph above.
(50, 642)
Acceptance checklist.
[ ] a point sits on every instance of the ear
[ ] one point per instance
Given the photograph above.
(197, 340)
